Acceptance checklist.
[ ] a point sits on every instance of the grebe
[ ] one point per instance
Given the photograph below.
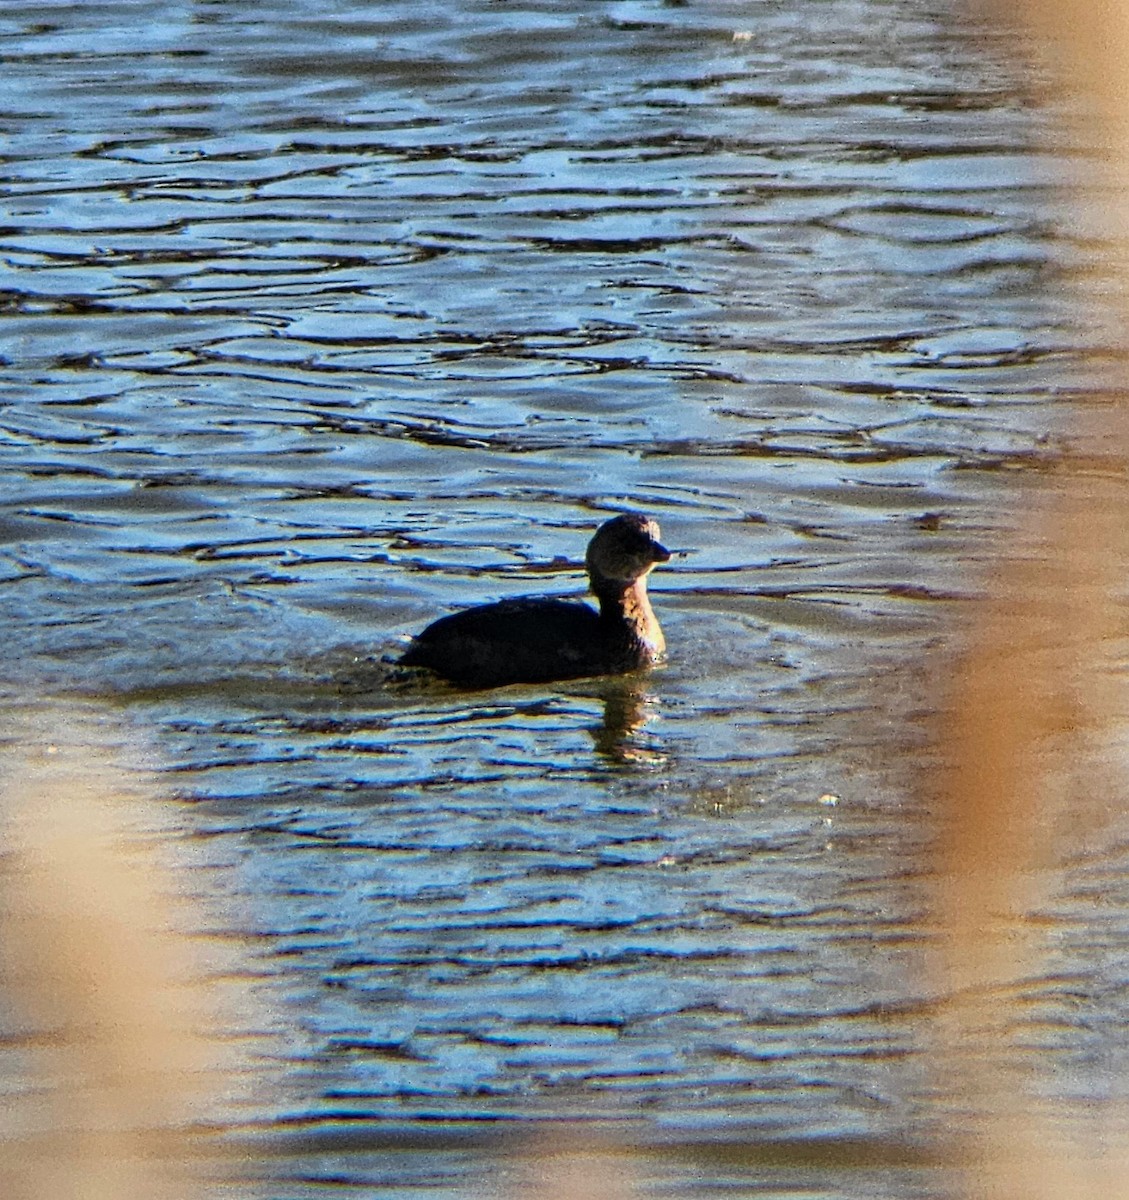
(533, 639)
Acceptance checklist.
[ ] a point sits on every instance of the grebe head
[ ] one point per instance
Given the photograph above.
(624, 549)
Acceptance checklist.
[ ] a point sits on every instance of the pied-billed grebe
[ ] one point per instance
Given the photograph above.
(533, 639)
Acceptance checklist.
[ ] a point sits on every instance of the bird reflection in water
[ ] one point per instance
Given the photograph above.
(619, 738)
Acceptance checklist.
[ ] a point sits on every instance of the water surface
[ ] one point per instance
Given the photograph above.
(320, 324)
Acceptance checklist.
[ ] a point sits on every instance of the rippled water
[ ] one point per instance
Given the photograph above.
(320, 321)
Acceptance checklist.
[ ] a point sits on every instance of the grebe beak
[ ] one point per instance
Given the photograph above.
(659, 553)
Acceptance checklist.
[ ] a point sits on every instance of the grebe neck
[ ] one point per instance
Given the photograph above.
(627, 608)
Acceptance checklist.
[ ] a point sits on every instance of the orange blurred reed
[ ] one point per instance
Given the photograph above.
(114, 1021)
(1033, 712)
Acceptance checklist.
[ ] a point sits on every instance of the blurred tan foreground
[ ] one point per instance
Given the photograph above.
(110, 1003)
(1036, 720)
